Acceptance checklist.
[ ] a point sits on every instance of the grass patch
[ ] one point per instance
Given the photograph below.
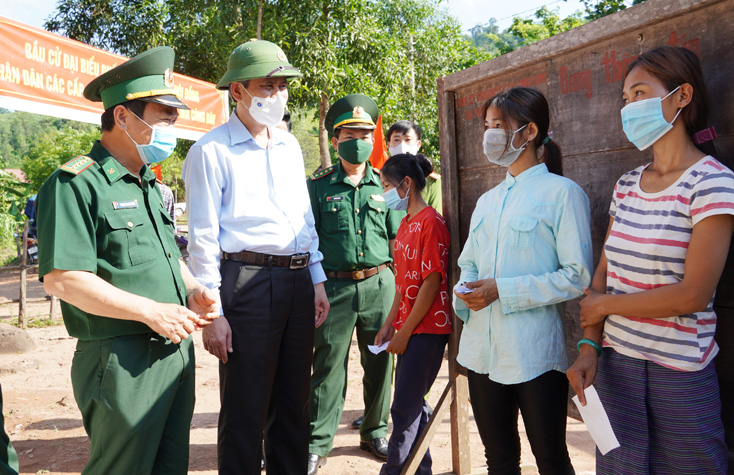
(9, 258)
(37, 322)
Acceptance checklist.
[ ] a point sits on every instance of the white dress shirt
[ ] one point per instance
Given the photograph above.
(243, 197)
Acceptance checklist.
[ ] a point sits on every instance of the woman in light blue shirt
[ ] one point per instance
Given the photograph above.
(528, 251)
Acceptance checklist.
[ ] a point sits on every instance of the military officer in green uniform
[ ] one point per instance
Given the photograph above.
(355, 229)
(106, 249)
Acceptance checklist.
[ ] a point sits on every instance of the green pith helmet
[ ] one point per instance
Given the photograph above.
(355, 111)
(257, 59)
(147, 76)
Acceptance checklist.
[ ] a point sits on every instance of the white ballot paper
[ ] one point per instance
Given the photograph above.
(378, 349)
(596, 420)
(462, 289)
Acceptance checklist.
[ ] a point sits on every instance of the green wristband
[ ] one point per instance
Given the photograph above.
(591, 343)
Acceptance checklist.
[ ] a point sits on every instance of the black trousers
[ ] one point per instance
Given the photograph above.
(265, 384)
(542, 402)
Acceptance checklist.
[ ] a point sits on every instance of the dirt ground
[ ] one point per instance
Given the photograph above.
(46, 429)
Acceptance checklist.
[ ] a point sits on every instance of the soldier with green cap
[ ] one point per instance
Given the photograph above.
(252, 240)
(355, 230)
(106, 249)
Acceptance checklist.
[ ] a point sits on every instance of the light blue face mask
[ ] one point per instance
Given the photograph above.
(393, 199)
(161, 145)
(643, 121)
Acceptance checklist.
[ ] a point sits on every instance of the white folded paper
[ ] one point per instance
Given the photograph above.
(378, 349)
(597, 421)
(462, 289)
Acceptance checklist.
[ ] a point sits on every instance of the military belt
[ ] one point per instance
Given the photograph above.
(295, 261)
(357, 274)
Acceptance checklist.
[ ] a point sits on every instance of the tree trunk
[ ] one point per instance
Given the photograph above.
(22, 309)
(323, 133)
(259, 17)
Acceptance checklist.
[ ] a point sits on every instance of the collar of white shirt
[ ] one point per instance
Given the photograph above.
(539, 169)
(238, 133)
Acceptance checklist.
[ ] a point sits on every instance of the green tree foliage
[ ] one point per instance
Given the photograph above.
(13, 196)
(547, 24)
(393, 50)
(24, 138)
(20, 130)
(596, 9)
(94, 22)
(543, 24)
(421, 44)
(53, 149)
(523, 31)
(490, 39)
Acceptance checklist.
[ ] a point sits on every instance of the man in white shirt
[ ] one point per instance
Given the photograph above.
(246, 195)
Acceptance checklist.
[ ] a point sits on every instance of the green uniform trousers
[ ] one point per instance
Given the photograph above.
(136, 396)
(8, 457)
(362, 304)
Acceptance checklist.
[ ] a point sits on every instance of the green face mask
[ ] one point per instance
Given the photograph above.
(355, 151)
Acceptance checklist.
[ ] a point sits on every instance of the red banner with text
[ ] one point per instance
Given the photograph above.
(45, 73)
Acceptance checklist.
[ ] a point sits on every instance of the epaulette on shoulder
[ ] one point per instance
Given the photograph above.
(322, 173)
(77, 165)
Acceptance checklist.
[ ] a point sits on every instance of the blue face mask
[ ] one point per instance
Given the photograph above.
(643, 121)
(393, 199)
(161, 145)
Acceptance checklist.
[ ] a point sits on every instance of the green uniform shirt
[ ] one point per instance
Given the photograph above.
(104, 220)
(352, 222)
(432, 192)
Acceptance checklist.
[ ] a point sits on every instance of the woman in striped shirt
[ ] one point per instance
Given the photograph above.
(651, 300)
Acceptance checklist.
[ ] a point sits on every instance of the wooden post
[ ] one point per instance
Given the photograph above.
(23, 272)
(421, 446)
(52, 310)
(460, 453)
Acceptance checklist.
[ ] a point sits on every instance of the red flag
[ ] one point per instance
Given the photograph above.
(379, 151)
(157, 170)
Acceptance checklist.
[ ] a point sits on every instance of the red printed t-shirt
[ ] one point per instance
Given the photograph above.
(422, 247)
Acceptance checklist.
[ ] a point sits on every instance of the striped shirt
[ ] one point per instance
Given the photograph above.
(647, 249)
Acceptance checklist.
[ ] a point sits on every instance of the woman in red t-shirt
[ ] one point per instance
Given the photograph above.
(419, 322)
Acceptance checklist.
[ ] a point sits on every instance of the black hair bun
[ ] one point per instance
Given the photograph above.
(425, 164)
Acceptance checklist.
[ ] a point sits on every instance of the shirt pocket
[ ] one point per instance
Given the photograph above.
(130, 240)
(334, 216)
(476, 232)
(376, 216)
(169, 236)
(522, 232)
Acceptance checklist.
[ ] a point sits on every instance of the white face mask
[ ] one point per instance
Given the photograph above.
(393, 199)
(267, 111)
(404, 147)
(496, 149)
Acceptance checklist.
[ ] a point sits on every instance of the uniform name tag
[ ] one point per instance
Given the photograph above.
(329, 199)
(125, 204)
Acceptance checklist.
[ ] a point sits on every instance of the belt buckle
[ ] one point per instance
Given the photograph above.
(298, 261)
(357, 274)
